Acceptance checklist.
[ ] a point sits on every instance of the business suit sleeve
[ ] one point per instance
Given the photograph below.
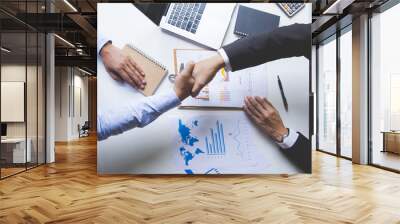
(300, 154)
(283, 42)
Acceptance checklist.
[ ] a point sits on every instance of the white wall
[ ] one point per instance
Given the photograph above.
(14, 73)
(17, 73)
(61, 103)
(81, 84)
(71, 94)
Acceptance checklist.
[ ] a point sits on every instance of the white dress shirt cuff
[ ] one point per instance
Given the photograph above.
(289, 141)
(101, 42)
(224, 56)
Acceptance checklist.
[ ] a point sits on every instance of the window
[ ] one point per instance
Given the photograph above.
(346, 92)
(394, 102)
(385, 89)
(327, 96)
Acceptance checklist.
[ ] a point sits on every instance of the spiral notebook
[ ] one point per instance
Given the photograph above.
(153, 69)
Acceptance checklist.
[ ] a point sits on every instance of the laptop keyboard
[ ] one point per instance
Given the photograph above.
(187, 16)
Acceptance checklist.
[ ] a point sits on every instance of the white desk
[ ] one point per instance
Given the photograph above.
(18, 151)
(135, 151)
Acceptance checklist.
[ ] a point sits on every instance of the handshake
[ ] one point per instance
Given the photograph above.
(194, 77)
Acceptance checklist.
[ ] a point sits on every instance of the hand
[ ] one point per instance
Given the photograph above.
(122, 67)
(184, 81)
(266, 117)
(204, 71)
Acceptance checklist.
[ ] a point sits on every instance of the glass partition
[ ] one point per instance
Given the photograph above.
(326, 136)
(346, 92)
(22, 77)
(13, 105)
(385, 89)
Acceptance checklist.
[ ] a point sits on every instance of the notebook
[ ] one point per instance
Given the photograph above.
(251, 21)
(154, 70)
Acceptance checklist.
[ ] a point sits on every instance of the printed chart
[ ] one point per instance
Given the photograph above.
(206, 145)
(216, 144)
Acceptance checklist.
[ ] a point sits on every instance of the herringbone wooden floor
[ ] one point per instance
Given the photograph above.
(70, 191)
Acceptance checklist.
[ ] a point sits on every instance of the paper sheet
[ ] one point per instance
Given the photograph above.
(210, 145)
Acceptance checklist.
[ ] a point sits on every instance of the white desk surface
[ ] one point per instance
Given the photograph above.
(135, 151)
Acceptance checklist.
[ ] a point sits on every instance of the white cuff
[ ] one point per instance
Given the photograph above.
(222, 52)
(289, 141)
(100, 43)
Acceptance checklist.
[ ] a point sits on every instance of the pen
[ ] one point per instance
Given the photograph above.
(283, 94)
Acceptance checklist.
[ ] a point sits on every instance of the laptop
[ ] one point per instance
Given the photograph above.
(204, 23)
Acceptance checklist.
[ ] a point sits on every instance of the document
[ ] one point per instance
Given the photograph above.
(227, 89)
(211, 145)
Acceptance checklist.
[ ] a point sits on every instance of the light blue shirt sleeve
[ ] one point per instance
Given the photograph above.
(135, 114)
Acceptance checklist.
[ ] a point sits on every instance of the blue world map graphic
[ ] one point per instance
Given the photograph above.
(188, 140)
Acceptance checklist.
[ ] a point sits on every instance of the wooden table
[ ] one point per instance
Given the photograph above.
(391, 141)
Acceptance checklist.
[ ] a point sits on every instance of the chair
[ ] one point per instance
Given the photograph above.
(84, 130)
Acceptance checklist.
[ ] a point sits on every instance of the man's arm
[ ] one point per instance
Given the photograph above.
(300, 153)
(139, 114)
(283, 42)
(294, 145)
(135, 114)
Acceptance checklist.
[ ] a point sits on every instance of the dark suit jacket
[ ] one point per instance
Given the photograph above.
(300, 154)
(283, 42)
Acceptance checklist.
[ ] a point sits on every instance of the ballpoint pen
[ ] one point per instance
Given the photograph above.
(285, 103)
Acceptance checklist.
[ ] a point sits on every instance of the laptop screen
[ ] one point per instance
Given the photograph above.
(153, 11)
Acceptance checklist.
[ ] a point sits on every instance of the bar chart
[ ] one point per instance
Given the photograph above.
(215, 143)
